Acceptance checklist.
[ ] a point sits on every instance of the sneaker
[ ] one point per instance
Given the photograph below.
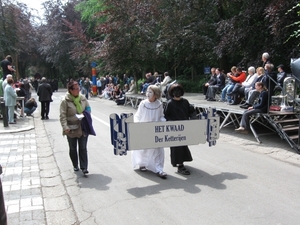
(76, 169)
(47, 117)
(183, 170)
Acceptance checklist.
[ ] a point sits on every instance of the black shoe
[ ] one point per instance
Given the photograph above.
(42, 118)
(76, 169)
(47, 117)
(85, 171)
(232, 103)
(183, 170)
(246, 106)
(211, 99)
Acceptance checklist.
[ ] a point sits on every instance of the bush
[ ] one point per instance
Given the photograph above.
(139, 83)
(192, 86)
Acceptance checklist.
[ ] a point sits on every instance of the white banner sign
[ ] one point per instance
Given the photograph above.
(127, 135)
(166, 134)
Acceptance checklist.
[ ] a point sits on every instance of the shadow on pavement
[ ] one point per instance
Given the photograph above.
(187, 183)
(93, 181)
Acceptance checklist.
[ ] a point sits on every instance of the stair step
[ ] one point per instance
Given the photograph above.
(290, 128)
(293, 128)
(287, 121)
(294, 137)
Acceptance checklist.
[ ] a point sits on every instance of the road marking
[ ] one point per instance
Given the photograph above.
(101, 121)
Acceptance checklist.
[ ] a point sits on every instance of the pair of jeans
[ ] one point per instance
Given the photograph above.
(227, 89)
(29, 111)
(145, 86)
(82, 151)
(11, 113)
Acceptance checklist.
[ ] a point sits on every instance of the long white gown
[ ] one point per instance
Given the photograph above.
(152, 159)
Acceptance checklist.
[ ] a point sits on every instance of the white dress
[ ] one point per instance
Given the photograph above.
(152, 159)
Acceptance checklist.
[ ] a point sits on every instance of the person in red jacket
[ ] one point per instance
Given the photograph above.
(239, 77)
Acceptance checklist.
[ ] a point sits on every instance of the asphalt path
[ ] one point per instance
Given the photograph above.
(230, 183)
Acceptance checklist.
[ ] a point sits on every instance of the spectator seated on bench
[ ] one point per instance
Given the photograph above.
(212, 80)
(238, 90)
(250, 92)
(132, 88)
(281, 75)
(150, 79)
(120, 99)
(167, 79)
(239, 77)
(212, 89)
(260, 107)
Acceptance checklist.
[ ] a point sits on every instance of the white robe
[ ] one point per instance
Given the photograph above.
(152, 159)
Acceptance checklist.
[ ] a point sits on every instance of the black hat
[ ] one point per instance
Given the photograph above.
(175, 87)
(281, 66)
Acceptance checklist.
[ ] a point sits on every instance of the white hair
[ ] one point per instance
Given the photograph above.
(266, 55)
(251, 69)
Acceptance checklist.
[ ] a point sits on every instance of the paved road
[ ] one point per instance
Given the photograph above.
(236, 182)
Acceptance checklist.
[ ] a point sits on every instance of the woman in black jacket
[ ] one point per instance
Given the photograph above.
(260, 107)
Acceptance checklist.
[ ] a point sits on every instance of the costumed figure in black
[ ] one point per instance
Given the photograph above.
(179, 108)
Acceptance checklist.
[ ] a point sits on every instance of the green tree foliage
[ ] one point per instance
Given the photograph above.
(296, 24)
(139, 36)
(184, 36)
(55, 44)
(17, 35)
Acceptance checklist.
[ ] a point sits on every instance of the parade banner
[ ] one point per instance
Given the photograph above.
(127, 135)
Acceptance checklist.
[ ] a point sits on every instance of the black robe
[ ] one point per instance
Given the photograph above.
(179, 110)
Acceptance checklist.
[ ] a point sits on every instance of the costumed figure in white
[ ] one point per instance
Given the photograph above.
(150, 110)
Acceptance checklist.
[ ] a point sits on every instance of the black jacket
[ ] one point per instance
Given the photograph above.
(44, 92)
(262, 102)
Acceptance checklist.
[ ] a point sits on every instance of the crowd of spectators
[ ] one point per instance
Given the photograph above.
(239, 85)
(115, 87)
(252, 89)
(24, 88)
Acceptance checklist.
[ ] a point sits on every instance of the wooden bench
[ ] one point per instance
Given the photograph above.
(135, 99)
